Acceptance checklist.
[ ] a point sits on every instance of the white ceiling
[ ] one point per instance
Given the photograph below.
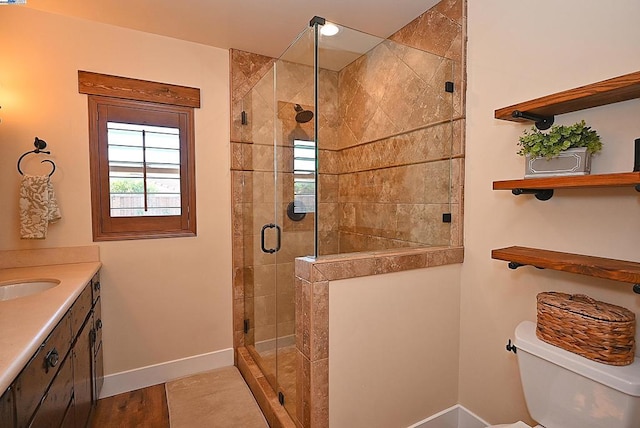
(261, 26)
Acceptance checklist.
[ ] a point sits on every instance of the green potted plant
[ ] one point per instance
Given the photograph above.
(563, 150)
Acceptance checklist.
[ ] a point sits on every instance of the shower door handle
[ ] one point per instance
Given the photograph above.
(278, 233)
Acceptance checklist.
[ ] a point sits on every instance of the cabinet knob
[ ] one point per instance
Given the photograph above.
(96, 286)
(99, 324)
(51, 359)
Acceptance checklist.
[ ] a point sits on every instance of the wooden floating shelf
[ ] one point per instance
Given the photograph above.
(608, 91)
(621, 179)
(618, 270)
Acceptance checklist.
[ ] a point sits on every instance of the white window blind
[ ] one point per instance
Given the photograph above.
(144, 170)
(304, 176)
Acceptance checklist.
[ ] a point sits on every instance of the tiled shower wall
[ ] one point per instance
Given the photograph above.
(399, 130)
(386, 175)
(246, 70)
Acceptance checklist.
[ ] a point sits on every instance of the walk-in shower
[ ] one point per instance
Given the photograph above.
(344, 144)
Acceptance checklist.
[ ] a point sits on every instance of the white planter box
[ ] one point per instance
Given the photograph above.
(570, 162)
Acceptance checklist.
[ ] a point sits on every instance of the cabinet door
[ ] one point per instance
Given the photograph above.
(97, 323)
(98, 373)
(97, 365)
(7, 418)
(82, 357)
(53, 408)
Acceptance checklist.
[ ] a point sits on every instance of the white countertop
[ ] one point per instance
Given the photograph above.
(26, 322)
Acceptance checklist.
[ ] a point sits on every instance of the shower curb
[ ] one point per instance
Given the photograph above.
(274, 413)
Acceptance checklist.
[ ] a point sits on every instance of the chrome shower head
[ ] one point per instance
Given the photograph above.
(302, 115)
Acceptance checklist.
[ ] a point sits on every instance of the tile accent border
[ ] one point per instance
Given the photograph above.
(354, 265)
(313, 277)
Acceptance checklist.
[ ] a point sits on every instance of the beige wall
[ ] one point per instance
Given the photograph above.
(163, 299)
(516, 52)
(393, 347)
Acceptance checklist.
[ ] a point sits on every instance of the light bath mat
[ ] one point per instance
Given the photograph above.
(216, 399)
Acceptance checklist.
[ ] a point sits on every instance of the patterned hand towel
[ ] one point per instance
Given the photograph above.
(38, 206)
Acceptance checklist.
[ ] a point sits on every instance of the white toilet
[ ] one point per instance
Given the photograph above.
(565, 390)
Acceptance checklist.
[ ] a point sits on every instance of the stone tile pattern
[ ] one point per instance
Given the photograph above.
(397, 138)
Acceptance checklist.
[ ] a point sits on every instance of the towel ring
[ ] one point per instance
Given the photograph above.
(39, 146)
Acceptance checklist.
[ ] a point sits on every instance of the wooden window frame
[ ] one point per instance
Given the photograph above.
(133, 109)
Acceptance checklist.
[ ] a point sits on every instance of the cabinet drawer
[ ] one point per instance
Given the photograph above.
(95, 286)
(51, 412)
(80, 310)
(34, 379)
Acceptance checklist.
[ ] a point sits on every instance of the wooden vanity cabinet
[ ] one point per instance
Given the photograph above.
(62, 381)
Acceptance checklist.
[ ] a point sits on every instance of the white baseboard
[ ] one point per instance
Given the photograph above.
(453, 417)
(143, 377)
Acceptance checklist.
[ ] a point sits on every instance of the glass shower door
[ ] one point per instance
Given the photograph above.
(278, 209)
(259, 225)
(294, 152)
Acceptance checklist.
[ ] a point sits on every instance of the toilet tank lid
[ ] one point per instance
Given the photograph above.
(625, 379)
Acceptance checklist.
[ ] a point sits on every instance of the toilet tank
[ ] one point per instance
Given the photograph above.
(565, 390)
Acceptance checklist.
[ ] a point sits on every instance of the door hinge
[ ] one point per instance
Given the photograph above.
(246, 326)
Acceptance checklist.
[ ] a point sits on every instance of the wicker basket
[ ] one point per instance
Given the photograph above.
(595, 330)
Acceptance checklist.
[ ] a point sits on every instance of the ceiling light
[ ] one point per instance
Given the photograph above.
(329, 29)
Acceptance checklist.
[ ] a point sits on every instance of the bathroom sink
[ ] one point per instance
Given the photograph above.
(26, 287)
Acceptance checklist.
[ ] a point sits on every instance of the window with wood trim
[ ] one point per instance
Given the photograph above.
(142, 169)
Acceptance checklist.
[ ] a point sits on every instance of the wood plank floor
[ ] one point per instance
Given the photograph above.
(143, 408)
